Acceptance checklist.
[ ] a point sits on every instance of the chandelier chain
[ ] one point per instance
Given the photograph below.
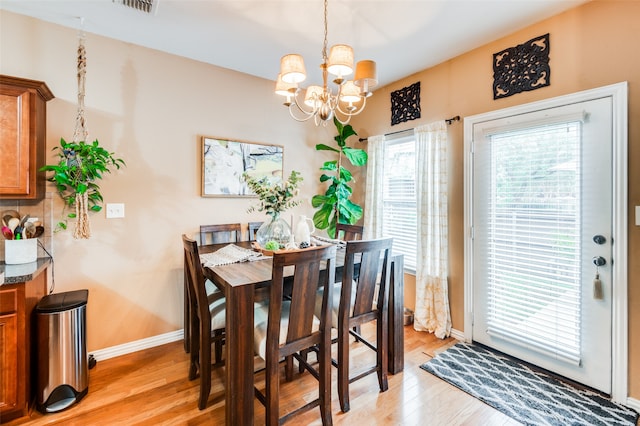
(324, 46)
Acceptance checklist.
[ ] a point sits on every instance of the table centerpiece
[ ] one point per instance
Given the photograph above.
(274, 198)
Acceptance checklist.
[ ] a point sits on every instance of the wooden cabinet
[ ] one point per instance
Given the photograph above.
(17, 356)
(22, 137)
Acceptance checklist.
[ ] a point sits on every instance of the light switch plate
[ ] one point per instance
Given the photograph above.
(115, 210)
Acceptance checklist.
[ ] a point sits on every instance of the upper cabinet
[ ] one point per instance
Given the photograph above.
(23, 122)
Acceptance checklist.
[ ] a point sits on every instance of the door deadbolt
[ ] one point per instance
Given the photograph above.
(599, 239)
(599, 261)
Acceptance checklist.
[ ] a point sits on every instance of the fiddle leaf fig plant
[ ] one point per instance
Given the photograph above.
(80, 167)
(335, 206)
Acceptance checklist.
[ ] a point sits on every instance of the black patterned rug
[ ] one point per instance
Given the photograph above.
(528, 396)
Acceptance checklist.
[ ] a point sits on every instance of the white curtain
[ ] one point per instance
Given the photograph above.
(373, 193)
(432, 298)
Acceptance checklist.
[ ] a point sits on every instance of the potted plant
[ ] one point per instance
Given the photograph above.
(274, 198)
(81, 165)
(335, 205)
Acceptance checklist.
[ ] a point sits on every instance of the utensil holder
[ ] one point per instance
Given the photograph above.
(20, 251)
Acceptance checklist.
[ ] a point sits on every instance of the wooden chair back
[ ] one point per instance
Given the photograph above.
(223, 233)
(348, 232)
(313, 267)
(201, 335)
(369, 303)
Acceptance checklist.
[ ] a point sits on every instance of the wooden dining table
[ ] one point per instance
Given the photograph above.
(239, 282)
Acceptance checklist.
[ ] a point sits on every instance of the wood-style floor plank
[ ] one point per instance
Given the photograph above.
(150, 387)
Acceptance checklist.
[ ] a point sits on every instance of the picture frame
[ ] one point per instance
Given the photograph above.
(224, 161)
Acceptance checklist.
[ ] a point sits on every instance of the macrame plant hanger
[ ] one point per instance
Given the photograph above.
(83, 226)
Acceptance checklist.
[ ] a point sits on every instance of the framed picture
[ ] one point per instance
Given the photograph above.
(224, 161)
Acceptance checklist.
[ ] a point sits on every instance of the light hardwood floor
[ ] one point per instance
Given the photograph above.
(150, 387)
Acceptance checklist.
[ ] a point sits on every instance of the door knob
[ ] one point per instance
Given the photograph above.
(599, 261)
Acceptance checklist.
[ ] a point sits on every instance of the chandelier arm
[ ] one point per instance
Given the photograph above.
(356, 111)
(305, 118)
(306, 113)
(300, 107)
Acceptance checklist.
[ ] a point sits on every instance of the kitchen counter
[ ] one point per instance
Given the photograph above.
(12, 274)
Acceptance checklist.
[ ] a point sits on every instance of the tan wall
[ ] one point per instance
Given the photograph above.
(151, 108)
(591, 46)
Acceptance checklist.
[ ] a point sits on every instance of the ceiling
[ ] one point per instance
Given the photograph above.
(250, 36)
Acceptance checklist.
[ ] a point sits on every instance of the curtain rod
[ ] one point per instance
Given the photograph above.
(447, 120)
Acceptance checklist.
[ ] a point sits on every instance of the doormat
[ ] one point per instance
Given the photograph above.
(528, 396)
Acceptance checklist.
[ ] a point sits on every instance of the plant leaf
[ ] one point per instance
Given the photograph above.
(356, 156)
(323, 147)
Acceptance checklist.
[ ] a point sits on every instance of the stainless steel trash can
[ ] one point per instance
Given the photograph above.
(63, 376)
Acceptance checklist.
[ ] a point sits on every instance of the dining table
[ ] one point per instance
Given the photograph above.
(239, 282)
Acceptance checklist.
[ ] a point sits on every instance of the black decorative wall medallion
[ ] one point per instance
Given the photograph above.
(405, 104)
(521, 68)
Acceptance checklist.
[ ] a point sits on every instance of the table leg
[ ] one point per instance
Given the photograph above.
(239, 355)
(396, 315)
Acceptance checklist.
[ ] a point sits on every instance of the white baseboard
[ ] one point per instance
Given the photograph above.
(633, 403)
(138, 345)
(457, 334)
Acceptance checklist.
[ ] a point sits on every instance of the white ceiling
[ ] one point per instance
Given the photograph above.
(250, 36)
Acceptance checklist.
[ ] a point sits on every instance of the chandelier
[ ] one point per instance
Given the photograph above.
(322, 102)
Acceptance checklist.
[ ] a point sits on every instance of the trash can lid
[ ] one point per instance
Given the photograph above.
(59, 302)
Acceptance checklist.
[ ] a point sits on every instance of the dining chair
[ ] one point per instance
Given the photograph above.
(349, 232)
(292, 327)
(207, 320)
(253, 228)
(222, 233)
(365, 300)
(209, 234)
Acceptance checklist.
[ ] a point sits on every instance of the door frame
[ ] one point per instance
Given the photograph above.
(619, 304)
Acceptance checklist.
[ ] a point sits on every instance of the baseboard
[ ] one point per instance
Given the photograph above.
(457, 334)
(633, 403)
(138, 345)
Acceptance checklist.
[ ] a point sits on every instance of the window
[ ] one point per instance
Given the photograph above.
(399, 198)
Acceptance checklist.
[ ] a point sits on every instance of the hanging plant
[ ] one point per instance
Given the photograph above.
(335, 206)
(81, 165)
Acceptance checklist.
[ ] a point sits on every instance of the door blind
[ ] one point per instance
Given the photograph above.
(533, 250)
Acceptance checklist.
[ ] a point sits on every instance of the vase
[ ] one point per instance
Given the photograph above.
(276, 229)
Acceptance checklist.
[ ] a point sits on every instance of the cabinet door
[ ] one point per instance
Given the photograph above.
(17, 160)
(8, 362)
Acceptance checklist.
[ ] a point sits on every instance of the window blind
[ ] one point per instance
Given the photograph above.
(533, 253)
(399, 198)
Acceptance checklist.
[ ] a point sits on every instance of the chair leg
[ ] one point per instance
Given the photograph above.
(288, 368)
(382, 354)
(272, 392)
(303, 354)
(205, 374)
(325, 383)
(217, 346)
(343, 369)
(194, 354)
(356, 329)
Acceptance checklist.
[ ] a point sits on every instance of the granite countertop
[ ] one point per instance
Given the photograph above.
(12, 274)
